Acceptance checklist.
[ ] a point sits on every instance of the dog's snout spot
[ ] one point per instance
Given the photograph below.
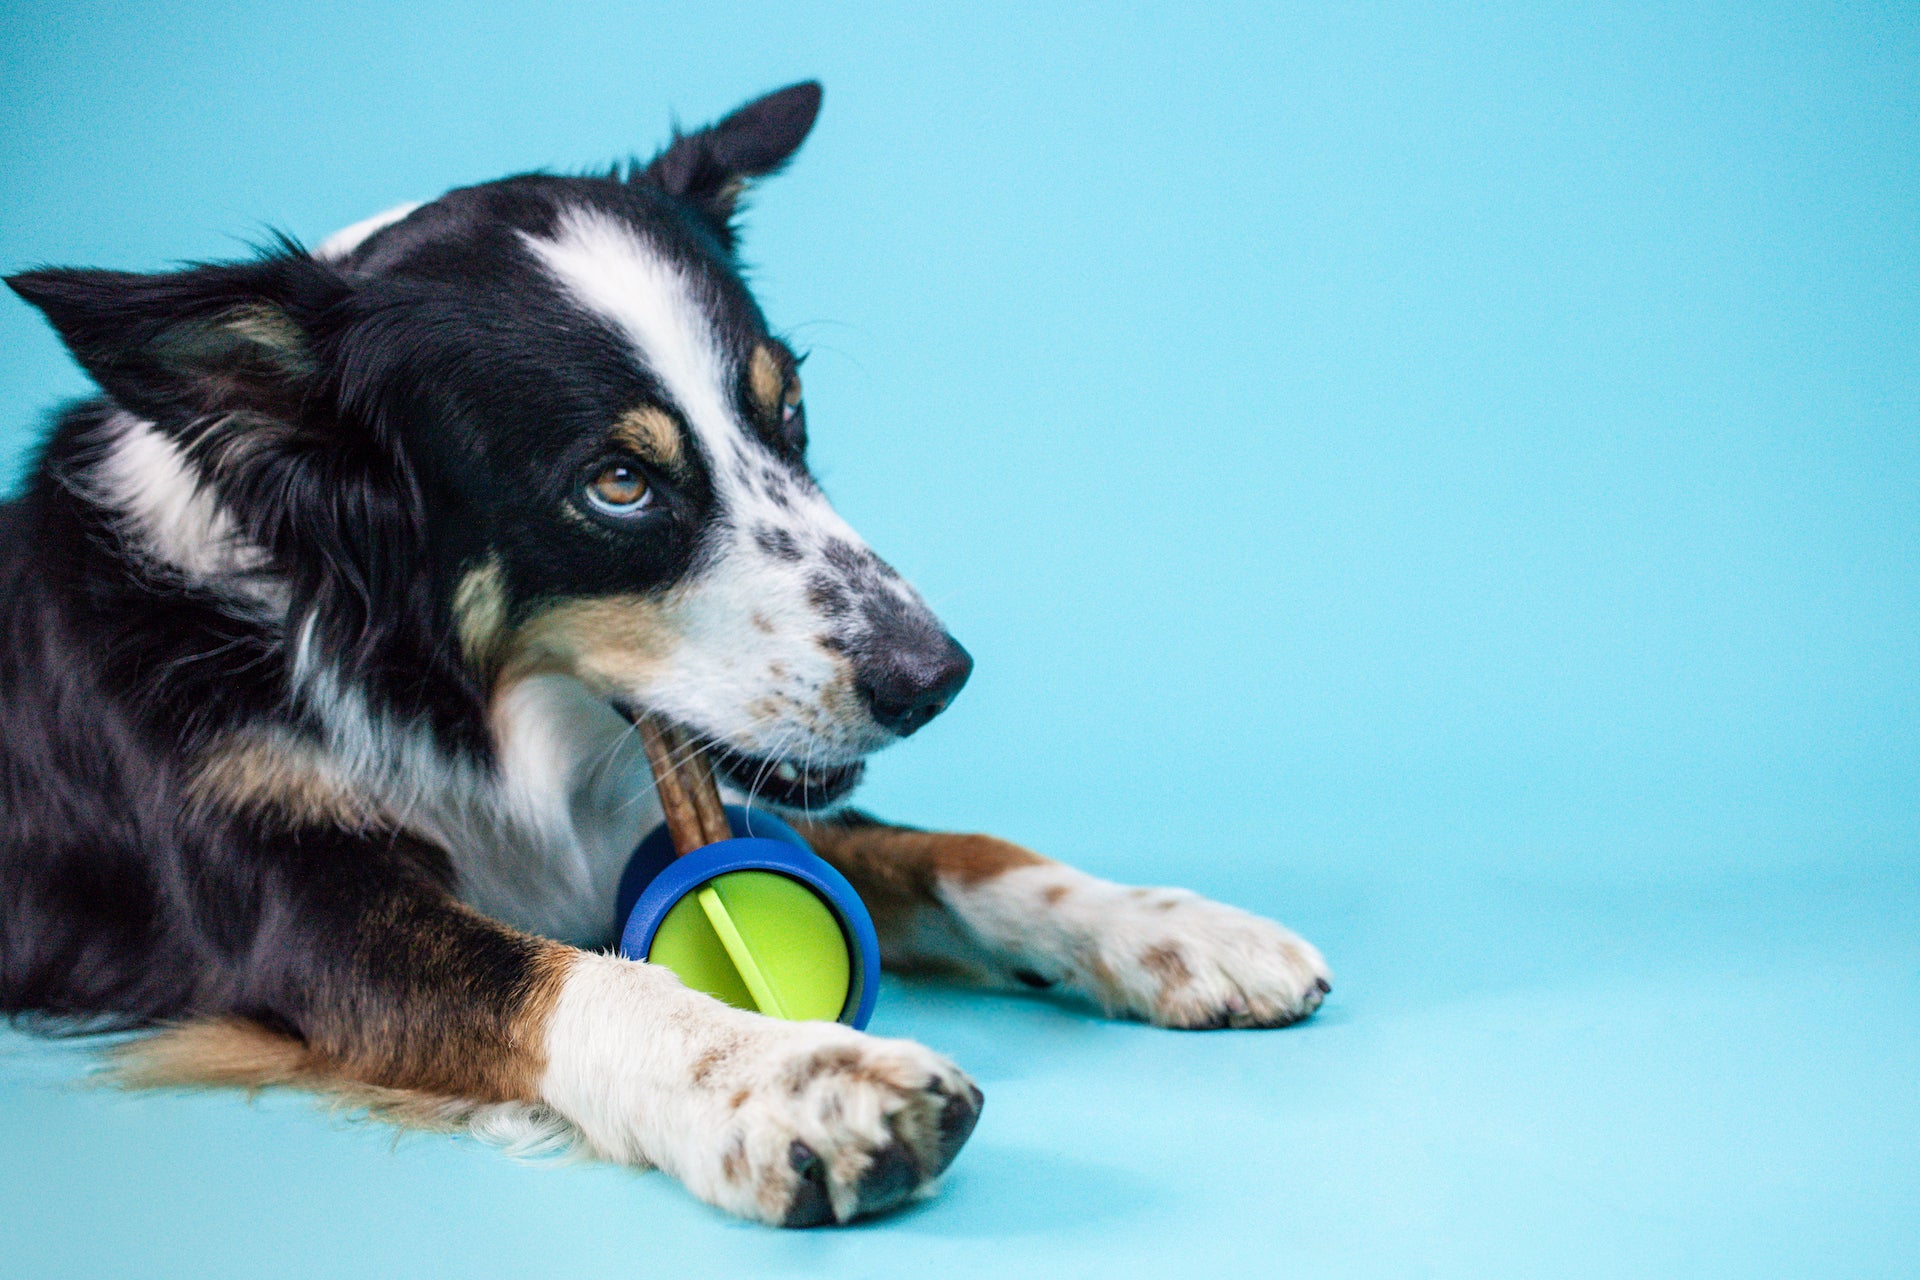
(829, 596)
(778, 543)
(858, 566)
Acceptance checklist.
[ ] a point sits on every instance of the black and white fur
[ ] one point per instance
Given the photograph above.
(321, 646)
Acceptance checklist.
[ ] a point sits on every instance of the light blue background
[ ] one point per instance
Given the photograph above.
(1449, 480)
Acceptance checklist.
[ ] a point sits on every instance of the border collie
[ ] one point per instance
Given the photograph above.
(324, 629)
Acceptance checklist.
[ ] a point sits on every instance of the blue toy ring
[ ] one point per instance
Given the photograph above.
(655, 882)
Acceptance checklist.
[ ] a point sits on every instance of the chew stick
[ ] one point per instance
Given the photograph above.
(684, 780)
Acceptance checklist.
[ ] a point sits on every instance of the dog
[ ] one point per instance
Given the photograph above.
(326, 626)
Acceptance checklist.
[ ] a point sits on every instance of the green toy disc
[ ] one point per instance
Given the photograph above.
(758, 940)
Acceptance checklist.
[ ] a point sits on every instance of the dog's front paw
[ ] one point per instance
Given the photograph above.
(792, 1123)
(1183, 961)
(820, 1124)
(1167, 956)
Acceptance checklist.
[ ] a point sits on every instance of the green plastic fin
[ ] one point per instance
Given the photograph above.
(796, 940)
(739, 952)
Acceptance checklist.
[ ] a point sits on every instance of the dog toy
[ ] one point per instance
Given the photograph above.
(735, 903)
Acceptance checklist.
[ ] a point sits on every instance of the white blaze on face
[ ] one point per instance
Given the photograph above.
(750, 665)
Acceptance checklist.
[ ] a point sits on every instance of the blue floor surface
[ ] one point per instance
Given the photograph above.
(1514, 1077)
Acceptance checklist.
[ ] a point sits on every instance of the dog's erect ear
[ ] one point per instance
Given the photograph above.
(206, 340)
(712, 166)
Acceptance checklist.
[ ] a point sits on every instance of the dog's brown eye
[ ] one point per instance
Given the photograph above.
(619, 490)
(790, 399)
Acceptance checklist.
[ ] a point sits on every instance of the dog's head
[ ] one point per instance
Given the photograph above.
(543, 420)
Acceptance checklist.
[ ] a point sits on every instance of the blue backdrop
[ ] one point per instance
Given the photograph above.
(1449, 480)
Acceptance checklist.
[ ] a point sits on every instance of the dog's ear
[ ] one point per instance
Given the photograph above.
(220, 339)
(228, 360)
(711, 167)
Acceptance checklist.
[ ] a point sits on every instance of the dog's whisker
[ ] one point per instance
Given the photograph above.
(759, 777)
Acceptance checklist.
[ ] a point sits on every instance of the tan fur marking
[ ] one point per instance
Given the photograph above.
(1167, 964)
(271, 328)
(712, 1060)
(843, 1061)
(733, 1161)
(259, 337)
(652, 433)
(527, 1060)
(274, 772)
(803, 1073)
(1101, 973)
(610, 642)
(237, 1053)
(765, 379)
(392, 1071)
(496, 1056)
(214, 1053)
(480, 612)
(1052, 894)
(898, 870)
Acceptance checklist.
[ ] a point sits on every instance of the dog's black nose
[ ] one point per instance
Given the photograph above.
(911, 684)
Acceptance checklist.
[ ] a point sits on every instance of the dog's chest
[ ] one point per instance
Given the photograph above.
(540, 842)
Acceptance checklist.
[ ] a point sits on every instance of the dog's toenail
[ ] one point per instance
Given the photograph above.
(1032, 979)
(1323, 984)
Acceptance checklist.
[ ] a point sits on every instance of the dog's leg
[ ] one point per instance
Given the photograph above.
(1002, 913)
(392, 983)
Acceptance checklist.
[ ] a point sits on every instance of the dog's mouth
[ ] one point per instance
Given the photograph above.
(776, 780)
(787, 783)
